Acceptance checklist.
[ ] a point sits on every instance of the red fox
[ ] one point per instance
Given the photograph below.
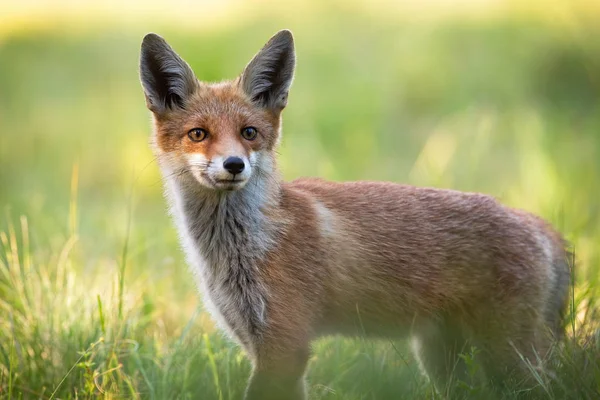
(282, 263)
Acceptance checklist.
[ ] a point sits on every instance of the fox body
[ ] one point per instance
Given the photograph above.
(280, 264)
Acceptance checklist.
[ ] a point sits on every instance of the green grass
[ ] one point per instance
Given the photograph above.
(95, 298)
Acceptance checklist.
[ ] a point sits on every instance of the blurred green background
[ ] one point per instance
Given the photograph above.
(497, 96)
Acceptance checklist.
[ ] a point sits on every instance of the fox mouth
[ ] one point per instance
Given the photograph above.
(228, 180)
(228, 184)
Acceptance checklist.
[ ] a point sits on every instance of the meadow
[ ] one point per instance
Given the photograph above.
(96, 301)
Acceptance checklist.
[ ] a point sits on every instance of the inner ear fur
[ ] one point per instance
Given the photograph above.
(167, 80)
(268, 76)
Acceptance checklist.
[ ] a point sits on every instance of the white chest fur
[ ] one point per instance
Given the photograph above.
(224, 238)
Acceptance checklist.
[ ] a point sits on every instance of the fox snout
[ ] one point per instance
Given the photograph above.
(223, 172)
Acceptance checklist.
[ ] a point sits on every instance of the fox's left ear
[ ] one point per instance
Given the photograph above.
(268, 77)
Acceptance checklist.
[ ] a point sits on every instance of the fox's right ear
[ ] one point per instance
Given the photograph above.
(166, 78)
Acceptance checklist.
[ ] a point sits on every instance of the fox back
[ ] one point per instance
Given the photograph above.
(280, 264)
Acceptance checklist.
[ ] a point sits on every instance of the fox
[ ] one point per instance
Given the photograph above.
(280, 264)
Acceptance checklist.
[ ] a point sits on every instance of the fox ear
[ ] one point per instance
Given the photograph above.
(166, 78)
(268, 77)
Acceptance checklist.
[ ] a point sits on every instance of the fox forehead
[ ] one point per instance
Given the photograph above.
(222, 109)
(222, 101)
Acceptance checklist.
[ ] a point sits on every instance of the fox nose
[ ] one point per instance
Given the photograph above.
(234, 165)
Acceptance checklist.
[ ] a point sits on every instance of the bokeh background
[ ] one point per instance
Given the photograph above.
(501, 97)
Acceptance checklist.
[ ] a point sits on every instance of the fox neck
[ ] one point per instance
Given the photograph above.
(225, 234)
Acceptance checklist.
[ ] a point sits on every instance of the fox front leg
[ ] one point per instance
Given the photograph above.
(279, 376)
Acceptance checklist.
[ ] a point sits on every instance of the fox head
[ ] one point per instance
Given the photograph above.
(221, 134)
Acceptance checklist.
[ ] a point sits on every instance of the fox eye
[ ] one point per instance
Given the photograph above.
(249, 133)
(197, 135)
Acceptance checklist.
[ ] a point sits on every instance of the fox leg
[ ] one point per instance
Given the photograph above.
(279, 374)
(437, 348)
(514, 345)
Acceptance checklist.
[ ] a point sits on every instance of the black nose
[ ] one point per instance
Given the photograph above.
(234, 165)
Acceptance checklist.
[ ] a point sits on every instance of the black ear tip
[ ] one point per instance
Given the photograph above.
(152, 40)
(284, 36)
(285, 33)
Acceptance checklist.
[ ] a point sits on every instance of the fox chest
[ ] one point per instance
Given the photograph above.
(234, 297)
(223, 241)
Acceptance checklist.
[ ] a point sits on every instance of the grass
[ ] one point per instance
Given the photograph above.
(95, 298)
